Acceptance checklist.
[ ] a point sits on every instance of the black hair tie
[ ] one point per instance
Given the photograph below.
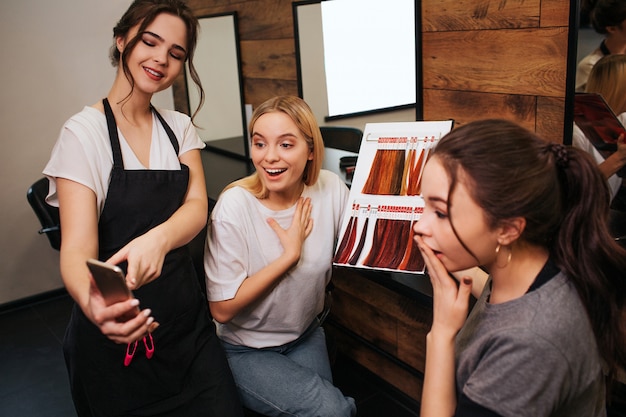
(560, 153)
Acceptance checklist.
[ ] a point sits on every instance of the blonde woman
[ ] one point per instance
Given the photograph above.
(608, 78)
(269, 258)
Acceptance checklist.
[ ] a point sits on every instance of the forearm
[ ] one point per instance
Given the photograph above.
(75, 273)
(612, 164)
(252, 288)
(439, 393)
(79, 237)
(191, 217)
(183, 225)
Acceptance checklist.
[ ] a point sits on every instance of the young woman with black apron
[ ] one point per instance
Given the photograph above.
(166, 360)
(188, 374)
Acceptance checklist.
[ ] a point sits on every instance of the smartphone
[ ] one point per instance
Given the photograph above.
(112, 284)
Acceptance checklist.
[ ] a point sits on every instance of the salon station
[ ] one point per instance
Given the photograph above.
(468, 60)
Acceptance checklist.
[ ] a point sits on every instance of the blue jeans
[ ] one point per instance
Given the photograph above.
(290, 380)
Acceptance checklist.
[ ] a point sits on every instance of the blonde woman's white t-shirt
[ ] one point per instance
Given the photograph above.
(240, 243)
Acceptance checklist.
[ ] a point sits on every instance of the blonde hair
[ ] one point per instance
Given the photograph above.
(304, 119)
(608, 78)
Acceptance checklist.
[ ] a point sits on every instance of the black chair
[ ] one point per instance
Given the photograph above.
(344, 139)
(48, 215)
(341, 137)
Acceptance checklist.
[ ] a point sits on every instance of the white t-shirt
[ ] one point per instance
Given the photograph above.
(580, 141)
(583, 69)
(83, 152)
(240, 243)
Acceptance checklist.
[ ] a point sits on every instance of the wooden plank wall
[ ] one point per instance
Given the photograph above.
(481, 58)
(496, 59)
(267, 44)
(381, 329)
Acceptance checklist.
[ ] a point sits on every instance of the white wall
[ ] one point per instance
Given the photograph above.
(314, 78)
(220, 117)
(55, 61)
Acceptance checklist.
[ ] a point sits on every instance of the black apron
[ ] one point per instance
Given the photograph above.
(188, 374)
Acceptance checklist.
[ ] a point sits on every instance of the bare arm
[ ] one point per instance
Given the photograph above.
(79, 219)
(146, 253)
(616, 160)
(259, 284)
(450, 307)
(78, 213)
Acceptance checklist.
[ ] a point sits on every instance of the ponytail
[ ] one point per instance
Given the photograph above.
(585, 250)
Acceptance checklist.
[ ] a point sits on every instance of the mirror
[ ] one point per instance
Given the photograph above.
(583, 39)
(221, 121)
(588, 38)
(315, 20)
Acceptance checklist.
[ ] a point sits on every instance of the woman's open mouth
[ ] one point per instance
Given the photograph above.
(152, 73)
(275, 172)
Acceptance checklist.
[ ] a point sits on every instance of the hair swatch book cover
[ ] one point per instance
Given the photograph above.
(385, 196)
(600, 125)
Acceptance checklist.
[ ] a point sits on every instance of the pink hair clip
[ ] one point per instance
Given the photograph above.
(131, 348)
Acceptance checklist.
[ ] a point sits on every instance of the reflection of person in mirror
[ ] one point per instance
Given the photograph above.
(608, 78)
(268, 262)
(129, 184)
(547, 328)
(608, 17)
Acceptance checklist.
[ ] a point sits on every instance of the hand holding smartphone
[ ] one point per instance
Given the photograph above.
(111, 282)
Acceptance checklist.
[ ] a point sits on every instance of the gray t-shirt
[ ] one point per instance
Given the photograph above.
(533, 356)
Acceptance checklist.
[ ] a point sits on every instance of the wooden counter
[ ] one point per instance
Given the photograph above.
(380, 320)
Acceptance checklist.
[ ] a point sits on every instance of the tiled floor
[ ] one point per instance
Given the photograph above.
(33, 381)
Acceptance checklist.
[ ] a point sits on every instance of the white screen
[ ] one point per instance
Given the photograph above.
(369, 49)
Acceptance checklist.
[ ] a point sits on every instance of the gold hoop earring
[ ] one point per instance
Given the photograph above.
(508, 258)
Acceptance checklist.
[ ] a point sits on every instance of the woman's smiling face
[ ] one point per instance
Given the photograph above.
(158, 58)
(280, 154)
(468, 217)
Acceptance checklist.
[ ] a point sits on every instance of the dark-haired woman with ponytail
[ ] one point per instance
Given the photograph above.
(547, 331)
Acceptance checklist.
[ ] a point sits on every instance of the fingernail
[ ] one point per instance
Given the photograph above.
(147, 312)
(134, 302)
(150, 320)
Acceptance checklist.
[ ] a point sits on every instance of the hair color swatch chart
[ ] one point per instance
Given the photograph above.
(385, 196)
